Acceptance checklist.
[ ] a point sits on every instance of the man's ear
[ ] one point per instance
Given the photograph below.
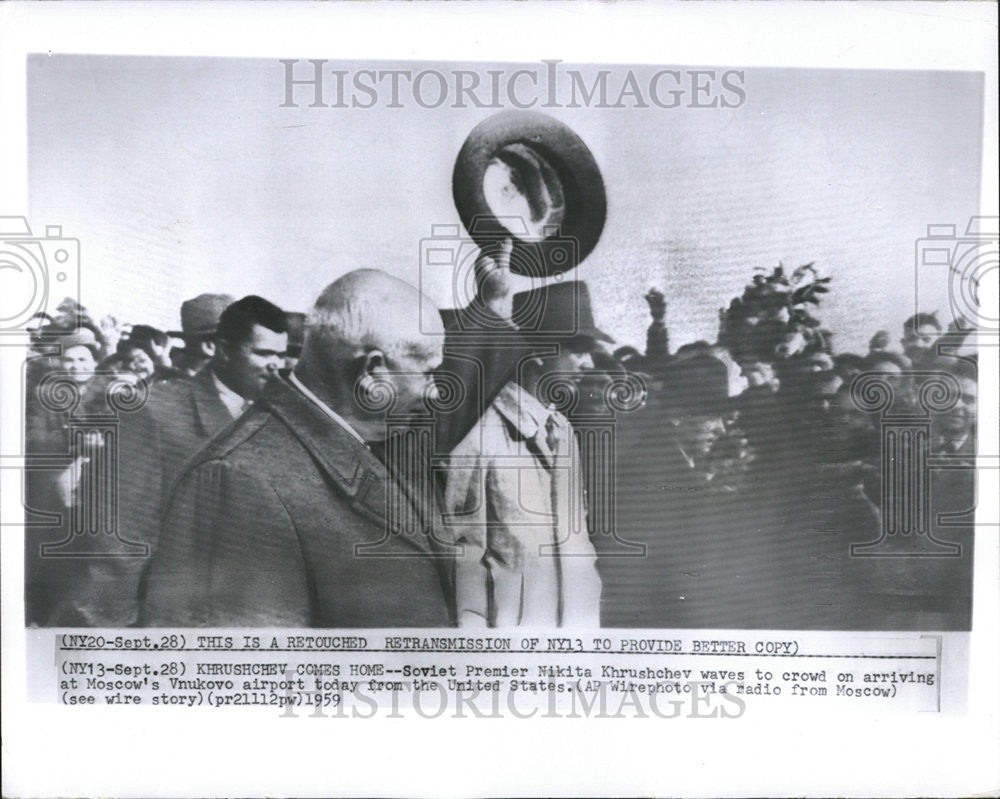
(208, 347)
(374, 363)
(371, 378)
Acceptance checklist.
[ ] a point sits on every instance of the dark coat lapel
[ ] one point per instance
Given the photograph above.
(348, 463)
(211, 415)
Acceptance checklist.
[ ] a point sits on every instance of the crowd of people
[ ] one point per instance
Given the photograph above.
(771, 484)
(258, 468)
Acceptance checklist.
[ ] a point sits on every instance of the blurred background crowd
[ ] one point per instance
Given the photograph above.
(741, 474)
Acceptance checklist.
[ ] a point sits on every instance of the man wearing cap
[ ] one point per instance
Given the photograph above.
(199, 321)
(180, 418)
(514, 498)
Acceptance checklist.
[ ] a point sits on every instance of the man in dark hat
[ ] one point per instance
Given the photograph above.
(513, 486)
(696, 396)
(199, 321)
(920, 333)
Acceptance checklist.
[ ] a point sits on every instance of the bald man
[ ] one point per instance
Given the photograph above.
(291, 517)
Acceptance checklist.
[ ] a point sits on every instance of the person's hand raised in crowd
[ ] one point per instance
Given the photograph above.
(496, 284)
(493, 279)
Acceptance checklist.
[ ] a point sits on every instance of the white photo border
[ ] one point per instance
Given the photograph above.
(51, 750)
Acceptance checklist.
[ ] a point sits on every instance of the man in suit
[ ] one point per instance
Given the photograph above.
(291, 517)
(179, 419)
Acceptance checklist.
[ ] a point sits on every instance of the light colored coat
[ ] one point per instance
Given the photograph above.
(516, 507)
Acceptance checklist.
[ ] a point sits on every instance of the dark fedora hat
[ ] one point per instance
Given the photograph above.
(547, 191)
(200, 315)
(558, 311)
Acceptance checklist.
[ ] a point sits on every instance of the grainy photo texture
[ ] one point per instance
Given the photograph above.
(376, 345)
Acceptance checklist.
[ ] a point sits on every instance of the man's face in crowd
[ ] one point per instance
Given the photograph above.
(251, 364)
(959, 420)
(79, 362)
(139, 363)
(699, 431)
(917, 343)
(412, 376)
(574, 359)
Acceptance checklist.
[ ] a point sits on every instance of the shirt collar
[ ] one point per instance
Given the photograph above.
(330, 412)
(234, 403)
(523, 410)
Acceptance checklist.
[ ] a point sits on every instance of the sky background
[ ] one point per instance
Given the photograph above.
(183, 175)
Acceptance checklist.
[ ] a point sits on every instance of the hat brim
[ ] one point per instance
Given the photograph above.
(192, 333)
(574, 164)
(598, 335)
(537, 337)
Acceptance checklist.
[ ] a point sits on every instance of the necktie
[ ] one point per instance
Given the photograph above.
(552, 434)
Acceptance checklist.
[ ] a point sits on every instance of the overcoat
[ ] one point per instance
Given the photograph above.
(516, 513)
(286, 519)
(154, 443)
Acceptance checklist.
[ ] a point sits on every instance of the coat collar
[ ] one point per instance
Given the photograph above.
(522, 410)
(212, 414)
(346, 461)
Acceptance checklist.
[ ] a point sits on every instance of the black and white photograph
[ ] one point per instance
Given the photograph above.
(494, 345)
(343, 382)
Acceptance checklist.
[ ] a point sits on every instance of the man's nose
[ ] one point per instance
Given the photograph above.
(586, 361)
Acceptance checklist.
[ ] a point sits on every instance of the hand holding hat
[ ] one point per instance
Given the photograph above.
(496, 284)
(528, 177)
